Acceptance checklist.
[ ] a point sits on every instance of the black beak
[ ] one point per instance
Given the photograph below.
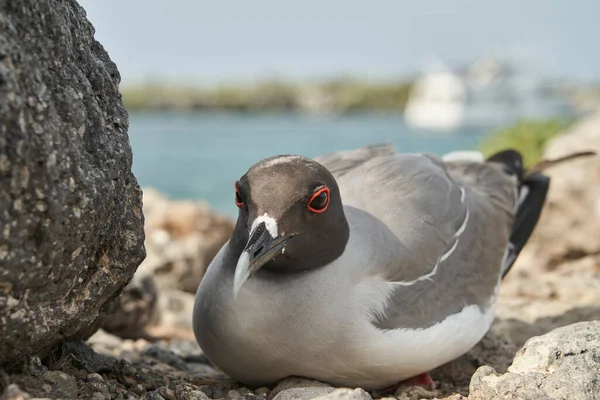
(260, 249)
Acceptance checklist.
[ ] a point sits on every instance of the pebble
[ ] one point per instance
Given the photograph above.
(238, 394)
(97, 382)
(166, 393)
(218, 391)
(262, 390)
(185, 391)
(154, 395)
(346, 394)
(99, 396)
(62, 384)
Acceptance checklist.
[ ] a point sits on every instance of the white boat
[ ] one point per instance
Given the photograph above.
(487, 93)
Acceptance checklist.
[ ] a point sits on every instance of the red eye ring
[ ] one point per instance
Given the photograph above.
(238, 197)
(315, 195)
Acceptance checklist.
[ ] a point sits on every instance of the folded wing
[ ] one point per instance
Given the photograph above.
(453, 222)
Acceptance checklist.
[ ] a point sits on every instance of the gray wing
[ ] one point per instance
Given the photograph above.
(452, 221)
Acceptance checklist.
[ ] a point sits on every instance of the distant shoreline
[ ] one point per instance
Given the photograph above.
(329, 97)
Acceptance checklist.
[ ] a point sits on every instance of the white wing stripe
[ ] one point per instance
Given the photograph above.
(448, 252)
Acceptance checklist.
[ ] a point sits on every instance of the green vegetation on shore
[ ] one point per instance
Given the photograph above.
(332, 96)
(528, 137)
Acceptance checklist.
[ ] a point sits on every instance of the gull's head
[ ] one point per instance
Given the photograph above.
(290, 218)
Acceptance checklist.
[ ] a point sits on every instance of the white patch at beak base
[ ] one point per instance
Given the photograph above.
(270, 223)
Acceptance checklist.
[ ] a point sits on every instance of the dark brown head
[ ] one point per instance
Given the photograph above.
(290, 219)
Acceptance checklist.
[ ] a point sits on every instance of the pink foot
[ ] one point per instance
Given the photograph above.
(420, 380)
(423, 380)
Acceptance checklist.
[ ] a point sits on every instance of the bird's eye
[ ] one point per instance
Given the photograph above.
(238, 197)
(319, 201)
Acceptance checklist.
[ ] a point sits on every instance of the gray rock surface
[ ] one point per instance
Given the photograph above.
(562, 364)
(346, 394)
(71, 222)
(299, 389)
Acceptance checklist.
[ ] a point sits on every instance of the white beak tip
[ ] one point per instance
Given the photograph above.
(241, 273)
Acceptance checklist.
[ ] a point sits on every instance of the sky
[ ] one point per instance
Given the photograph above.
(212, 42)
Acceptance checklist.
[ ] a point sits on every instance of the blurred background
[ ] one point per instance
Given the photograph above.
(213, 87)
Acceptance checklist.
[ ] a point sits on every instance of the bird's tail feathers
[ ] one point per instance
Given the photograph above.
(545, 164)
(531, 197)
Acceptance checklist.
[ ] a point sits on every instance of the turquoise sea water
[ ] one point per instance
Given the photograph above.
(199, 156)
